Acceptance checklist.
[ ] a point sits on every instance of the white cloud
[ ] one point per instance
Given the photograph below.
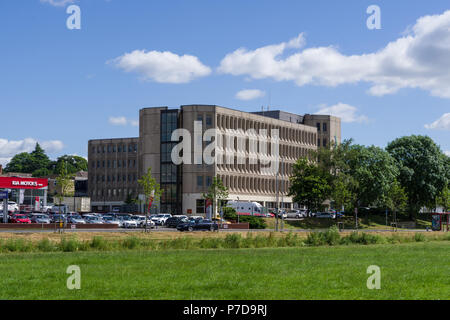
(447, 153)
(58, 3)
(162, 67)
(443, 123)
(10, 148)
(419, 59)
(123, 121)
(344, 111)
(250, 94)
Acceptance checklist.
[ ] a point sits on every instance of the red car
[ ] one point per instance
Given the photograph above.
(20, 218)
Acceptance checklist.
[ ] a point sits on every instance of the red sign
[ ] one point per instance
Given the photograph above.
(23, 183)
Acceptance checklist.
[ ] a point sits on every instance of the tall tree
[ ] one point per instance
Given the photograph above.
(423, 170)
(151, 190)
(64, 184)
(74, 164)
(310, 184)
(217, 192)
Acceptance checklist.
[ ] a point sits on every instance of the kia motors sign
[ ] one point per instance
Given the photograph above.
(23, 183)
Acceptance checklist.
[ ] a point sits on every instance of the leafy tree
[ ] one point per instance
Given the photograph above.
(43, 172)
(309, 184)
(20, 163)
(396, 199)
(342, 191)
(74, 164)
(63, 182)
(39, 159)
(217, 192)
(443, 199)
(151, 189)
(423, 170)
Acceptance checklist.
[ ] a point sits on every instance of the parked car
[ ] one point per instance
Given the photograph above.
(40, 218)
(112, 220)
(93, 219)
(174, 221)
(199, 224)
(325, 215)
(150, 224)
(76, 219)
(57, 218)
(160, 219)
(19, 218)
(296, 214)
(129, 223)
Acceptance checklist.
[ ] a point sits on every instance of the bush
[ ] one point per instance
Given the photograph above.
(17, 245)
(131, 243)
(233, 240)
(315, 239)
(229, 214)
(99, 243)
(254, 222)
(419, 237)
(332, 236)
(69, 245)
(46, 245)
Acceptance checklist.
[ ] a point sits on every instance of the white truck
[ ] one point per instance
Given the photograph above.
(247, 208)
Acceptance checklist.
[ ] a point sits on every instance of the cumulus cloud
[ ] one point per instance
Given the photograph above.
(58, 3)
(9, 148)
(250, 94)
(443, 123)
(346, 112)
(419, 59)
(447, 153)
(162, 67)
(123, 121)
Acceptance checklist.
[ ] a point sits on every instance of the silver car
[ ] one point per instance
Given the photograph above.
(40, 218)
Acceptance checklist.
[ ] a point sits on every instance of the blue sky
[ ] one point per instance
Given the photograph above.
(62, 87)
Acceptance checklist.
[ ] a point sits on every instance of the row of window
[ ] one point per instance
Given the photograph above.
(114, 148)
(324, 142)
(116, 193)
(324, 126)
(113, 164)
(118, 178)
(203, 181)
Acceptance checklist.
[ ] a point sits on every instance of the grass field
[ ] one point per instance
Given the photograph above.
(408, 271)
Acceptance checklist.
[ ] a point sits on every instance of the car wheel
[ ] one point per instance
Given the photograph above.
(190, 229)
(211, 228)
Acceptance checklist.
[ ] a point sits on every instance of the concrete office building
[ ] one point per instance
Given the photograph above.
(238, 162)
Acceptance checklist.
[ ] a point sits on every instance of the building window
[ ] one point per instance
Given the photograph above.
(318, 142)
(324, 127)
(200, 117)
(318, 126)
(200, 206)
(200, 181)
(208, 181)
(325, 142)
(208, 120)
(119, 149)
(109, 149)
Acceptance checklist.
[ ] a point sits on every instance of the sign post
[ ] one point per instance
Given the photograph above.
(4, 197)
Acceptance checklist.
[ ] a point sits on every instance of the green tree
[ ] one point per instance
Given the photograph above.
(341, 193)
(63, 182)
(423, 170)
(309, 184)
(397, 199)
(20, 163)
(74, 164)
(217, 192)
(151, 190)
(443, 199)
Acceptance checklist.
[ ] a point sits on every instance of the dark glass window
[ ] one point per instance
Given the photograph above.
(200, 181)
(318, 126)
(324, 127)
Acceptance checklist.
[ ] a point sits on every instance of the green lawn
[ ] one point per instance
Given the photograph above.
(408, 271)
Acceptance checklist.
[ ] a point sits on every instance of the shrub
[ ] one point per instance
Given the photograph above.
(99, 243)
(229, 214)
(315, 239)
(46, 245)
(69, 245)
(331, 236)
(17, 245)
(233, 240)
(254, 222)
(419, 237)
(131, 243)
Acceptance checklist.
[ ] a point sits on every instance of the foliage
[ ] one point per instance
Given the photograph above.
(310, 184)
(217, 192)
(28, 162)
(423, 170)
(229, 214)
(151, 189)
(443, 199)
(254, 222)
(63, 181)
(396, 199)
(73, 164)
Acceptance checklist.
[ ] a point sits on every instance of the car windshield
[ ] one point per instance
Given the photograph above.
(21, 217)
(76, 217)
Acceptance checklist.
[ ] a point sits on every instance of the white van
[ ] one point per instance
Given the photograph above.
(246, 208)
